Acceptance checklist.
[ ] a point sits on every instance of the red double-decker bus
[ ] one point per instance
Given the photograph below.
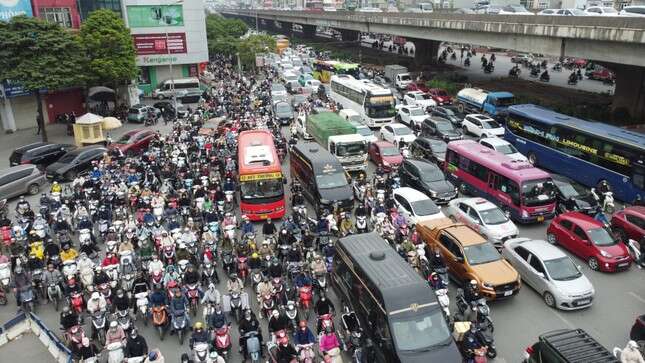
(261, 179)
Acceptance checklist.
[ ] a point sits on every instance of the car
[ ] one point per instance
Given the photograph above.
(415, 206)
(298, 99)
(380, 80)
(75, 162)
(633, 10)
(484, 217)
(601, 11)
(482, 126)
(191, 96)
(588, 239)
(488, 9)
(21, 179)
(514, 10)
(385, 155)
(546, 12)
(418, 98)
(412, 116)
(39, 153)
(417, 86)
(564, 346)
(278, 92)
(138, 113)
(427, 178)
(440, 96)
(521, 58)
(440, 128)
(364, 131)
(168, 108)
(313, 84)
(550, 272)
(569, 12)
(430, 150)
(304, 78)
(283, 112)
(133, 142)
(395, 133)
(350, 115)
(450, 113)
(571, 196)
(504, 147)
(629, 223)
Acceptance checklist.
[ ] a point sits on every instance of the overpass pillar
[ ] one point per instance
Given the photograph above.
(308, 31)
(348, 35)
(425, 51)
(630, 90)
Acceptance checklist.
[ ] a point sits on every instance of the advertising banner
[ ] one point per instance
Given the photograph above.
(149, 16)
(162, 43)
(11, 8)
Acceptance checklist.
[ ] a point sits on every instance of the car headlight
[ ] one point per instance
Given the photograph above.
(605, 254)
(386, 163)
(433, 193)
(525, 214)
(487, 285)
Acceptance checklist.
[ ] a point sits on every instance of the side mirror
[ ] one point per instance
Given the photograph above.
(459, 259)
(541, 275)
(586, 241)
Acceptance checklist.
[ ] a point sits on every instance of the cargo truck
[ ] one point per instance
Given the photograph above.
(398, 75)
(340, 138)
(476, 100)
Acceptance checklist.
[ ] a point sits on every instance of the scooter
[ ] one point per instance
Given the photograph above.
(361, 224)
(160, 320)
(201, 353)
(99, 320)
(635, 252)
(223, 341)
(115, 352)
(179, 325)
(5, 275)
(142, 306)
(253, 348)
(608, 205)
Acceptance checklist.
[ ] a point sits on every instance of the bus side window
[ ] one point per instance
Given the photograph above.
(509, 187)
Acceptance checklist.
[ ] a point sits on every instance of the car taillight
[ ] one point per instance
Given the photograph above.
(529, 350)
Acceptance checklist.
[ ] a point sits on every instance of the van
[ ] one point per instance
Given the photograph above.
(325, 183)
(19, 180)
(349, 115)
(395, 306)
(177, 86)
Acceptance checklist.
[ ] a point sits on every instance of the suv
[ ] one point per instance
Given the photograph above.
(482, 126)
(19, 180)
(629, 223)
(565, 346)
(39, 153)
(138, 113)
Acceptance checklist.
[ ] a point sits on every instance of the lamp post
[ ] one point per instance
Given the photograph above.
(172, 76)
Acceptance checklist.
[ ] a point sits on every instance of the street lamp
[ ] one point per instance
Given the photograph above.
(172, 76)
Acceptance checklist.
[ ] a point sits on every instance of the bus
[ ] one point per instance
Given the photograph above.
(587, 152)
(323, 70)
(521, 190)
(261, 178)
(374, 103)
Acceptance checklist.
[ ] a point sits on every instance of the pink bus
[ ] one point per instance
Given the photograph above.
(521, 190)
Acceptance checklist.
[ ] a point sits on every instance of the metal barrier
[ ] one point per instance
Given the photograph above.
(30, 323)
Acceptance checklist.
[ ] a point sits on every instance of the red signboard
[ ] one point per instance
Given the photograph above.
(171, 43)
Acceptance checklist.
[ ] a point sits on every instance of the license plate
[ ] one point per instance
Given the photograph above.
(508, 293)
(540, 218)
(264, 216)
(623, 264)
(584, 302)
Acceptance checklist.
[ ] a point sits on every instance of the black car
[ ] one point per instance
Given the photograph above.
(167, 108)
(450, 113)
(191, 97)
(41, 154)
(440, 128)
(572, 196)
(427, 178)
(430, 150)
(74, 163)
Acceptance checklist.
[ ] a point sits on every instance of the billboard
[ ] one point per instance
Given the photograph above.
(161, 43)
(150, 16)
(11, 8)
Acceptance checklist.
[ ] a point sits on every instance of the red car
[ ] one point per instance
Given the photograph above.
(418, 86)
(133, 142)
(385, 155)
(441, 97)
(588, 239)
(629, 223)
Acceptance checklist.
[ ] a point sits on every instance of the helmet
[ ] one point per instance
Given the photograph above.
(113, 324)
(275, 313)
(198, 325)
(133, 332)
(95, 295)
(254, 255)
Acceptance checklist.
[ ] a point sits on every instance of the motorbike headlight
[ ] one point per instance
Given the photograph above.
(605, 254)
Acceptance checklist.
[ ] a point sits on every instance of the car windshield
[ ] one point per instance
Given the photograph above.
(562, 269)
(445, 126)
(577, 12)
(351, 149)
(134, 110)
(399, 131)
(448, 112)
(493, 216)
(421, 332)
(422, 96)
(424, 207)
(299, 99)
(260, 190)
(417, 112)
(490, 124)
(332, 180)
(438, 147)
(390, 151)
(380, 107)
(506, 149)
(432, 174)
(283, 108)
(405, 77)
(569, 189)
(537, 192)
(609, 10)
(277, 88)
(481, 253)
(124, 139)
(601, 237)
(67, 158)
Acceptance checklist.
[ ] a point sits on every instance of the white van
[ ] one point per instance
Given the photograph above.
(181, 87)
(350, 115)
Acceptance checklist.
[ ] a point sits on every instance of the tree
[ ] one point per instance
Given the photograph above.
(257, 43)
(109, 49)
(223, 34)
(41, 57)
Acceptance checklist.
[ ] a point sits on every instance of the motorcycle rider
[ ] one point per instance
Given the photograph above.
(155, 265)
(247, 226)
(545, 75)
(52, 276)
(199, 335)
(87, 350)
(218, 318)
(268, 228)
(603, 189)
(68, 318)
(120, 301)
(275, 269)
(264, 288)
(248, 324)
(96, 303)
(324, 306)
(471, 342)
(114, 334)
(277, 322)
(303, 336)
(21, 282)
(631, 354)
(328, 341)
(68, 253)
(178, 306)
(136, 345)
(191, 276)
(235, 284)
(211, 295)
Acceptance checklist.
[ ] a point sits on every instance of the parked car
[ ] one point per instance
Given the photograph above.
(283, 112)
(504, 147)
(633, 10)
(484, 217)
(450, 113)
(19, 180)
(430, 150)
(385, 155)
(427, 178)
(364, 131)
(440, 128)
(395, 133)
(629, 223)
(514, 10)
(440, 96)
(418, 98)
(39, 153)
(139, 113)
(169, 108)
(75, 162)
(412, 116)
(417, 86)
(588, 239)
(601, 11)
(482, 126)
(415, 206)
(572, 197)
(133, 142)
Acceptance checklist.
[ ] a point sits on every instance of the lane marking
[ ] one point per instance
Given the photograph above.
(636, 296)
(571, 326)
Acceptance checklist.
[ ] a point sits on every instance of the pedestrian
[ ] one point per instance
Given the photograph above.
(39, 123)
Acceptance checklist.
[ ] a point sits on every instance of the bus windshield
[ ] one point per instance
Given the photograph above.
(333, 180)
(537, 192)
(380, 107)
(351, 149)
(261, 190)
(420, 332)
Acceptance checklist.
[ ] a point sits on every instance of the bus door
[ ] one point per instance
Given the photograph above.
(498, 189)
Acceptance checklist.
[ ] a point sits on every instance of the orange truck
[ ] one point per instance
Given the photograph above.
(469, 256)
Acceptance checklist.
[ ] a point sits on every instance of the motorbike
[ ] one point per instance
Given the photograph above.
(27, 299)
(123, 318)
(74, 336)
(635, 252)
(236, 305)
(223, 341)
(99, 320)
(160, 320)
(253, 348)
(444, 301)
(544, 77)
(267, 305)
(192, 293)
(607, 205)
(242, 268)
(361, 224)
(179, 325)
(76, 302)
(54, 294)
(141, 299)
(359, 347)
(201, 353)
(115, 352)
(228, 262)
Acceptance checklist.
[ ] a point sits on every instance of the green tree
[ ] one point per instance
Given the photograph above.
(41, 57)
(223, 34)
(109, 49)
(257, 43)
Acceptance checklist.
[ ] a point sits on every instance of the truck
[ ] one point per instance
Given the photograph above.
(476, 100)
(339, 137)
(398, 75)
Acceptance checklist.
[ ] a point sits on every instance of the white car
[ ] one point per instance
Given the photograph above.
(314, 84)
(415, 206)
(397, 132)
(418, 98)
(633, 10)
(481, 126)
(504, 147)
(364, 131)
(514, 10)
(412, 116)
(484, 217)
(550, 272)
(601, 11)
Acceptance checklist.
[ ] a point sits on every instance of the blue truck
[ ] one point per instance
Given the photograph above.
(476, 100)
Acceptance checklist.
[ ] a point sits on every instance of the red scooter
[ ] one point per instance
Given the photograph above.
(76, 302)
(192, 294)
(304, 299)
(223, 341)
(242, 268)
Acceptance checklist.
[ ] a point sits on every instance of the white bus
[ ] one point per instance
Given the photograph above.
(374, 103)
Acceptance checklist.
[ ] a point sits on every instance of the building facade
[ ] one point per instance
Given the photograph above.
(62, 12)
(85, 7)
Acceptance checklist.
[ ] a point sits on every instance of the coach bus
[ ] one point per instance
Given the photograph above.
(517, 187)
(323, 70)
(374, 103)
(587, 152)
(261, 179)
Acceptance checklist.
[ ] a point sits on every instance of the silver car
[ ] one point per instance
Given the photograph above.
(549, 272)
(19, 180)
